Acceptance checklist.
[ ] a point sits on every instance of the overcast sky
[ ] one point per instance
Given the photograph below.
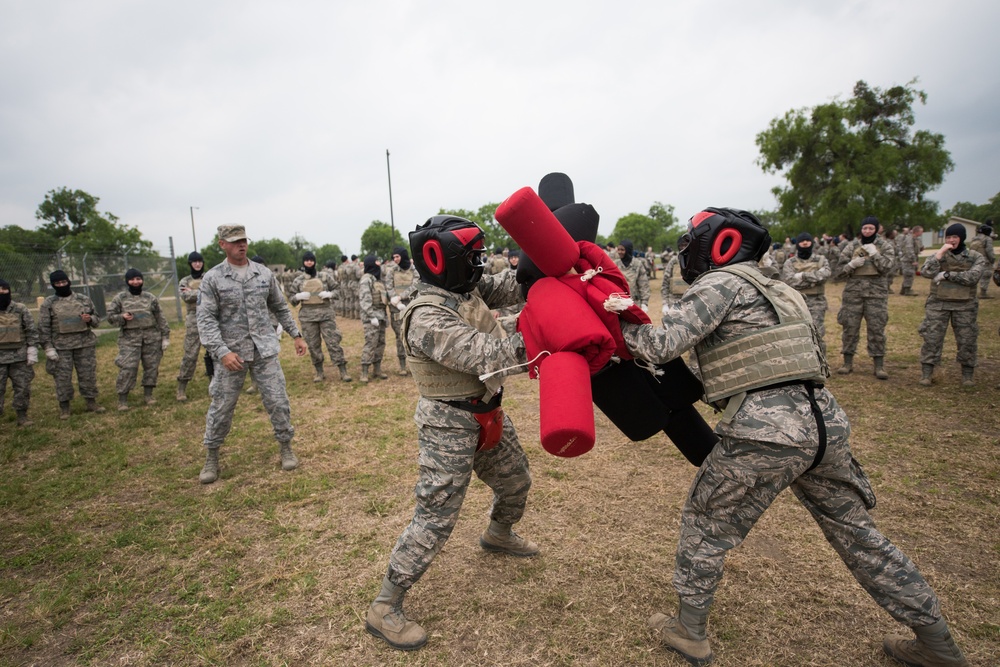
(278, 115)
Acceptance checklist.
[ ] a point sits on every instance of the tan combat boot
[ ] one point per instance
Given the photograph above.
(319, 376)
(933, 647)
(386, 619)
(926, 375)
(288, 459)
(210, 471)
(848, 365)
(402, 367)
(344, 377)
(377, 372)
(22, 418)
(364, 373)
(879, 369)
(182, 390)
(147, 394)
(500, 538)
(684, 634)
(122, 402)
(92, 405)
(967, 373)
(63, 410)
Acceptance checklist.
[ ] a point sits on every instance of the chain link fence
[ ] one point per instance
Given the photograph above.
(100, 277)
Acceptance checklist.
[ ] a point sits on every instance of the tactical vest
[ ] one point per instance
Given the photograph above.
(402, 282)
(437, 381)
(808, 266)
(314, 286)
(67, 311)
(677, 284)
(946, 290)
(781, 353)
(978, 244)
(141, 309)
(11, 334)
(866, 269)
(193, 285)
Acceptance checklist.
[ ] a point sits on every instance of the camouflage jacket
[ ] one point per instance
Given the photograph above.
(717, 308)
(638, 280)
(148, 322)
(233, 316)
(17, 316)
(189, 295)
(884, 262)
(67, 309)
(969, 268)
(373, 301)
(315, 312)
(817, 274)
(399, 281)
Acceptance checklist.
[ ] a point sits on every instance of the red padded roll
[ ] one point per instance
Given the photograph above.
(566, 411)
(539, 233)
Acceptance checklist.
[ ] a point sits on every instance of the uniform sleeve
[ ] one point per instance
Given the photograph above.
(387, 280)
(115, 311)
(29, 328)
(277, 304)
(161, 320)
(440, 335)
(642, 286)
(500, 290)
(88, 306)
(365, 300)
(208, 319)
(971, 277)
(45, 323)
(885, 260)
(931, 267)
(188, 295)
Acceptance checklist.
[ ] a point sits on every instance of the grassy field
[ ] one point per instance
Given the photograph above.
(113, 554)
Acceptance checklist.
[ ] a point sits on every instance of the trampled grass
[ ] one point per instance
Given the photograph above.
(113, 554)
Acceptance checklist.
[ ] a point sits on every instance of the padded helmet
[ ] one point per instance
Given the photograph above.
(448, 252)
(719, 237)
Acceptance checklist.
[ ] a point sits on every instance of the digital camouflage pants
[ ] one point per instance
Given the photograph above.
(192, 347)
(741, 478)
(875, 311)
(447, 438)
(315, 333)
(84, 359)
(225, 392)
(130, 354)
(374, 347)
(935, 326)
(21, 375)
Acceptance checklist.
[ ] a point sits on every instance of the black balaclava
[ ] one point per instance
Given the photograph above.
(803, 253)
(870, 220)
(57, 276)
(311, 270)
(958, 230)
(354, 258)
(258, 259)
(4, 298)
(404, 257)
(196, 257)
(343, 258)
(629, 250)
(330, 264)
(373, 268)
(129, 275)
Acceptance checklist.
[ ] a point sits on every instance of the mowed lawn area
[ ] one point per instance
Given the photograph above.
(112, 553)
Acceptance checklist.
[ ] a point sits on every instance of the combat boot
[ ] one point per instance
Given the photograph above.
(122, 402)
(926, 375)
(182, 390)
(92, 405)
(252, 389)
(387, 622)
(288, 459)
(22, 418)
(402, 367)
(377, 371)
(210, 471)
(63, 409)
(500, 538)
(967, 373)
(848, 365)
(344, 377)
(879, 370)
(364, 373)
(147, 393)
(933, 647)
(320, 376)
(684, 633)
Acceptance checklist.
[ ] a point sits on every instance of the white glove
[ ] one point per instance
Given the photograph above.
(645, 308)
(52, 354)
(395, 300)
(665, 309)
(32, 355)
(870, 249)
(375, 321)
(278, 330)
(165, 343)
(939, 277)
(856, 262)
(401, 307)
(302, 296)
(797, 277)
(325, 295)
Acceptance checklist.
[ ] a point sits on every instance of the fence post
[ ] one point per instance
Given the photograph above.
(177, 289)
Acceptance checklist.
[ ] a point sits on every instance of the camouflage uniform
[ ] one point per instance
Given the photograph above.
(907, 246)
(673, 286)
(399, 282)
(140, 338)
(769, 443)
(866, 295)
(343, 303)
(448, 436)
(811, 285)
(373, 302)
(60, 328)
(192, 342)
(507, 315)
(983, 244)
(354, 273)
(234, 316)
(638, 280)
(317, 319)
(952, 300)
(17, 334)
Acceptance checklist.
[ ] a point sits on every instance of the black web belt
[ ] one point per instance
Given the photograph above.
(810, 388)
(477, 406)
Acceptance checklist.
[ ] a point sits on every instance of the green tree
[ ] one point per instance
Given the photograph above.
(275, 251)
(327, 252)
(658, 229)
(977, 212)
(72, 217)
(379, 240)
(847, 159)
(496, 236)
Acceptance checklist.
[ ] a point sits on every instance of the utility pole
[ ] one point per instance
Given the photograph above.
(392, 221)
(195, 240)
